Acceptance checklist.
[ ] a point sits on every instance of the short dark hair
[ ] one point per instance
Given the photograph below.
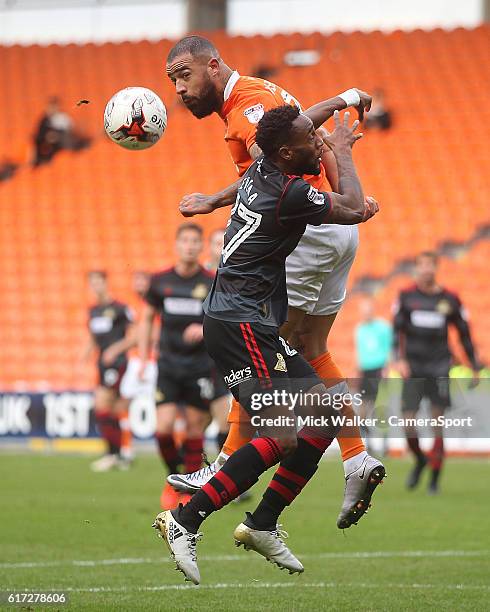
(101, 273)
(194, 227)
(429, 254)
(274, 129)
(195, 45)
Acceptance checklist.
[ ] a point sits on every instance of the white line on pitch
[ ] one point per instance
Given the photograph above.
(381, 554)
(274, 585)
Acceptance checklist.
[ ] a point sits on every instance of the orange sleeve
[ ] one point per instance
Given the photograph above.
(248, 111)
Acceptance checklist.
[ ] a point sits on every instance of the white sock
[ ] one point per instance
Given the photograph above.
(354, 463)
(221, 459)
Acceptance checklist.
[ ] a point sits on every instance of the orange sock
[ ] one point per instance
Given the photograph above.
(349, 437)
(240, 431)
(126, 434)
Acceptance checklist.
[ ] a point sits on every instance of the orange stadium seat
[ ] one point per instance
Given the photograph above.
(108, 208)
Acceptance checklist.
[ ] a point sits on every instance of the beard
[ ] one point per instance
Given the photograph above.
(206, 104)
(313, 169)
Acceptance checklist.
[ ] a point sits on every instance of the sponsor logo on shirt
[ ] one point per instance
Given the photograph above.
(182, 306)
(428, 319)
(235, 377)
(101, 325)
(254, 113)
(315, 197)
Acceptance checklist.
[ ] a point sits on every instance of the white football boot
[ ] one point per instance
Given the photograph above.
(105, 463)
(270, 545)
(360, 485)
(191, 483)
(181, 544)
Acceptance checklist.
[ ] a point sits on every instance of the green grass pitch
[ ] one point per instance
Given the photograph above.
(65, 528)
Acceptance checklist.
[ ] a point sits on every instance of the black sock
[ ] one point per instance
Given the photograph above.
(239, 473)
(289, 480)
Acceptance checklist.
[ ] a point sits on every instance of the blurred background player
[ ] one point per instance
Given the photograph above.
(318, 268)
(139, 382)
(373, 340)
(185, 371)
(422, 317)
(379, 117)
(220, 405)
(55, 132)
(141, 283)
(111, 335)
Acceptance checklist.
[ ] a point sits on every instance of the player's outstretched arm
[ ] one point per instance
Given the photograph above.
(202, 204)
(321, 112)
(348, 206)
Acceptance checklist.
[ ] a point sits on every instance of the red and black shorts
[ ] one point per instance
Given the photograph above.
(253, 360)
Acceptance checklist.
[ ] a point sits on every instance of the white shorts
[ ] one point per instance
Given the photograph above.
(317, 270)
(132, 386)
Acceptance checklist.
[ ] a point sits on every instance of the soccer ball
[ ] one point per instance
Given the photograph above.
(135, 118)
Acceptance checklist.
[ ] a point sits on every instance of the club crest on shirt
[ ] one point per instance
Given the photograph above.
(281, 363)
(315, 196)
(444, 307)
(200, 291)
(254, 113)
(110, 313)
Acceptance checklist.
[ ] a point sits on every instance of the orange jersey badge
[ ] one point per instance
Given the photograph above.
(246, 101)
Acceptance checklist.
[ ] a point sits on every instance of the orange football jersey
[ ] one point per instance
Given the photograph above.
(246, 100)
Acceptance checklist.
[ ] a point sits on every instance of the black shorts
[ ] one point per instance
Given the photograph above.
(369, 383)
(110, 376)
(220, 388)
(436, 389)
(178, 387)
(253, 359)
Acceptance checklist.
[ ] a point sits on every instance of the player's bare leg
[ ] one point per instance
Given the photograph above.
(219, 410)
(363, 473)
(164, 434)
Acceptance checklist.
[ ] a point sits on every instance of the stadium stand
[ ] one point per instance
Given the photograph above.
(117, 210)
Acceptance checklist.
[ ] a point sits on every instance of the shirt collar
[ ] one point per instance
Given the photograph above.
(230, 84)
